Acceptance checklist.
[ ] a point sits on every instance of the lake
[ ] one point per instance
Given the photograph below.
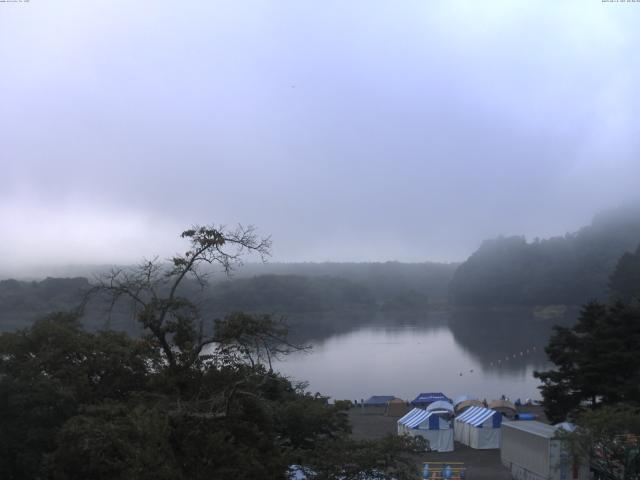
(483, 353)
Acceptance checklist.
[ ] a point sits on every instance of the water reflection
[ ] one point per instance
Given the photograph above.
(505, 341)
(484, 353)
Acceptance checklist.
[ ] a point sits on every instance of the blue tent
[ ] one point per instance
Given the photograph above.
(378, 400)
(426, 399)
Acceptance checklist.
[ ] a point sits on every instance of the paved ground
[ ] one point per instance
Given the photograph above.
(371, 423)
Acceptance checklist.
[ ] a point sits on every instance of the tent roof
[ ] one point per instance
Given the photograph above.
(502, 404)
(408, 415)
(468, 403)
(476, 416)
(430, 397)
(416, 416)
(440, 405)
(379, 399)
(462, 398)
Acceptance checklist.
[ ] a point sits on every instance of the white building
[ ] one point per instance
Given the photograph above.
(532, 451)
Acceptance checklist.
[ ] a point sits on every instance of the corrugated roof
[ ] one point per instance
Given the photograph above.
(533, 427)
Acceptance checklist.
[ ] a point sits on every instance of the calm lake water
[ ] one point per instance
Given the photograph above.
(486, 354)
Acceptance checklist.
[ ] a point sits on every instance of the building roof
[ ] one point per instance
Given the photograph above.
(533, 427)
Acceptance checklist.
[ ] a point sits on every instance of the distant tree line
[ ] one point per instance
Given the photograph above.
(570, 270)
(291, 294)
(21, 302)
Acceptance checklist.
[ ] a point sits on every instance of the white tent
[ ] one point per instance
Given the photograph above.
(441, 406)
(478, 427)
(429, 425)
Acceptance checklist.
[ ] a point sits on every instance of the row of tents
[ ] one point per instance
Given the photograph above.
(464, 419)
(477, 427)
(396, 407)
(530, 450)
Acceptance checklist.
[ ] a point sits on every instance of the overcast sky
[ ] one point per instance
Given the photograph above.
(359, 131)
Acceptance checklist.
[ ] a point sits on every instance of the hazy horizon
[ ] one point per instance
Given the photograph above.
(29, 271)
(364, 131)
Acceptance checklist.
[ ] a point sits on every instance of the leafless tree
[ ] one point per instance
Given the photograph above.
(153, 288)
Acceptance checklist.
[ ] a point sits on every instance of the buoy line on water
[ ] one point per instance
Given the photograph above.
(522, 353)
(501, 361)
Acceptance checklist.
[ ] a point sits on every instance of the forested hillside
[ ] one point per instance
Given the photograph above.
(384, 280)
(289, 293)
(22, 302)
(624, 284)
(281, 289)
(571, 270)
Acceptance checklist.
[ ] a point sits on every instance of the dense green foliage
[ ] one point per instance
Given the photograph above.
(570, 270)
(101, 405)
(314, 289)
(625, 280)
(597, 361)
(290, 294)
(596, 379)
(608, 440)
(21, 301)
(383, 280)
(190, 399)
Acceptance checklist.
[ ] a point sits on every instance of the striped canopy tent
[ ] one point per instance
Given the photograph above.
(429, 425)
(462, 406)
(441, 406)
(478, 427)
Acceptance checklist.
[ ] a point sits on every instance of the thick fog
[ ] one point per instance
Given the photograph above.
(347, 130)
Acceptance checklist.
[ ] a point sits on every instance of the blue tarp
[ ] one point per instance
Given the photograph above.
(379, 400)
(425, 399)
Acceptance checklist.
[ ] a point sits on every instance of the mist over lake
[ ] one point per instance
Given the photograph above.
(480, 352)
